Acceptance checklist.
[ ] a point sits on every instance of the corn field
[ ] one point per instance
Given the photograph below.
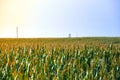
(60, 59)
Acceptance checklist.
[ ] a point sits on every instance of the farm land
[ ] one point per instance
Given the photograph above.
(87, 58)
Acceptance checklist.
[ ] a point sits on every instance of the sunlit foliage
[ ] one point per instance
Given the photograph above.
(60, 59)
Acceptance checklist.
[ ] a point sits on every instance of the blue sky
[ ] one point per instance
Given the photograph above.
(58, 18)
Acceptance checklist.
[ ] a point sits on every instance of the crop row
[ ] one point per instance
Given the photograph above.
(60, 63)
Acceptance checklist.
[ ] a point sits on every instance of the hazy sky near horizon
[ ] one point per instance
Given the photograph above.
(58, 18)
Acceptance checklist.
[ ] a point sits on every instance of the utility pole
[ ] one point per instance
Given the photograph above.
(17, 32)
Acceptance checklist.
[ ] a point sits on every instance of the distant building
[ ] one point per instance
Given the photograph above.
(69, 35)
